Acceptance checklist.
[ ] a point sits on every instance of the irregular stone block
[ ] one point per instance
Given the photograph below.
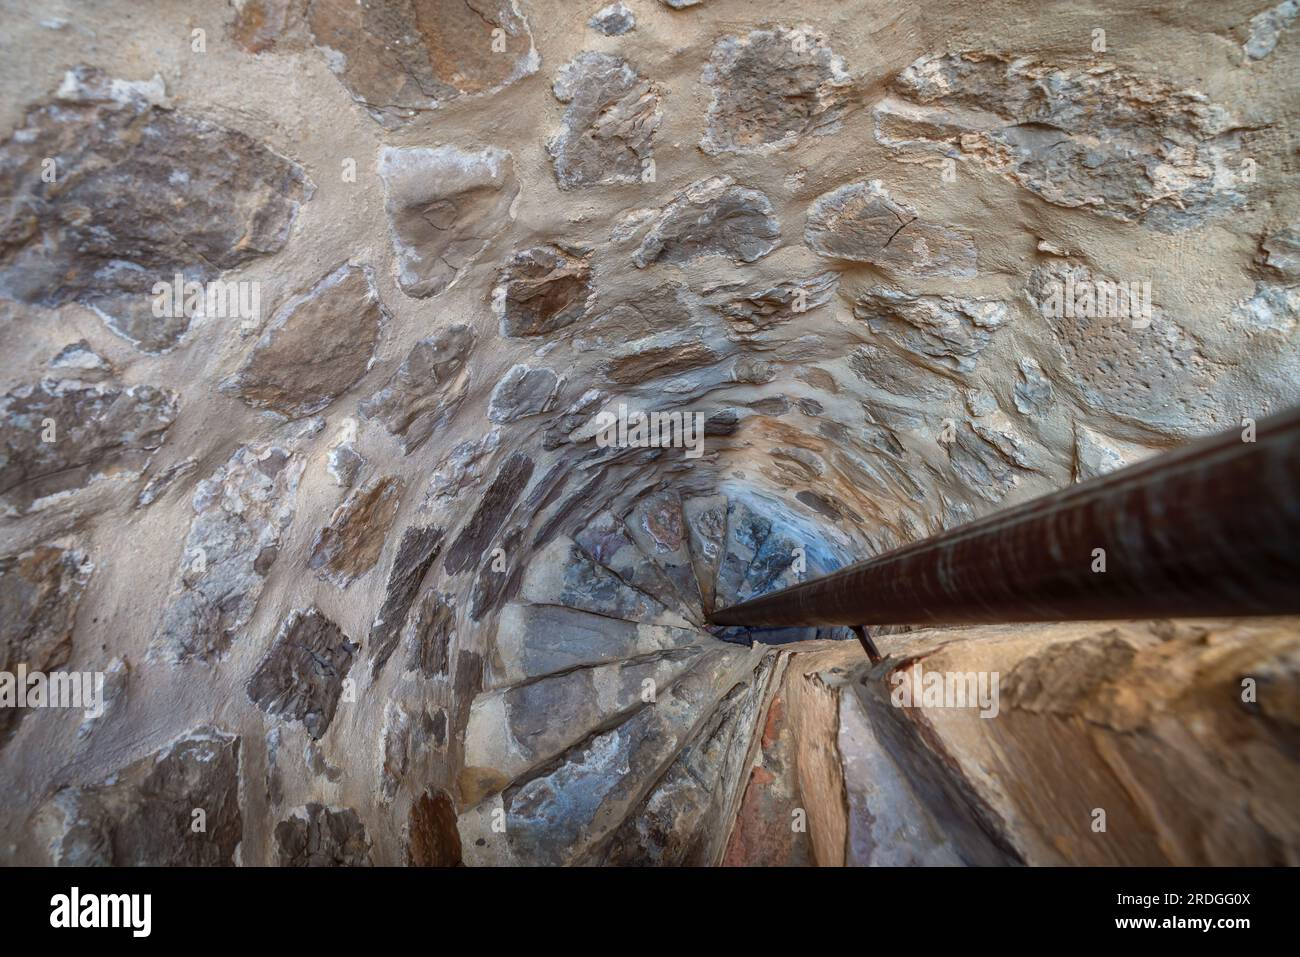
(1267, 27)
(657, 527)
(945, 333)
(117, 676)
(994, 427)
(145, 814)
(706, 530)
(417, 550)
(557, 817)
(158, 485)
(1033, 390)
(462, 467)
(1282, 252)
(1148, 372)
(542, 289)
(773, 567)
(984, 466)
(522, 392)
(492, 585)
(260, 25)
(79, 360)
(343, 464)
(395, 750)
(659, 356)
(1273, 308)
(318, 345)
(749, 370)
(686, 818)
(350, 545)
(884, 369)
(611, 117)
(444, 206)
(607, 541)
(430, 632)
(301, 677)
(241, 513)
(746, 532)
(1096, 454)
(39, 594)
(860, 222)
(319, 836)
(563, 574)
(426, 390)
(613, 20)
(711, 217)
(493, 509)
(764, 308)
(144, 193)
(65, 435)
(725, 422)
(772, 88)
(1127, 146)
(401, 57)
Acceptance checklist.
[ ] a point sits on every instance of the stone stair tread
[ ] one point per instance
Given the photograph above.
(563, 574)
(903, 805)
(556, 817)
(658, 527)
(685, 818)
(514, 729)
(742, 635)
(746, 532)
(536, 640)
(607, 540)
(706, 537)
(773, 568)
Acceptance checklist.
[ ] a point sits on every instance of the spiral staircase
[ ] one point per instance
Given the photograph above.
(617, 726)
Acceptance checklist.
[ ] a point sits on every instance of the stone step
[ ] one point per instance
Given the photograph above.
(742, 635)
(888, 821)
(706, 537)
(556, 817)
(536, 640)
(564, 574)
(514, 730)
(608, 542)
(746, 532)
(842, 777)
(686, 817)
(658, 527)
(775, 566)
(788, 802)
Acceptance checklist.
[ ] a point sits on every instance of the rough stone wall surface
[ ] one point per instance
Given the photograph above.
(836, 230)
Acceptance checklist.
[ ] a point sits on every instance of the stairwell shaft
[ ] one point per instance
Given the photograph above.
(1212, 529)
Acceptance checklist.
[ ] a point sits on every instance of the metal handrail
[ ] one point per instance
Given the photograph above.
(1208, 530)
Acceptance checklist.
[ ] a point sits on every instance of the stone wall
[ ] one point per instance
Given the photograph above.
(285, 534)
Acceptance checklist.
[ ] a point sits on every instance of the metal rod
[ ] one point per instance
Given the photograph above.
(1212, 529)
(868, 645)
